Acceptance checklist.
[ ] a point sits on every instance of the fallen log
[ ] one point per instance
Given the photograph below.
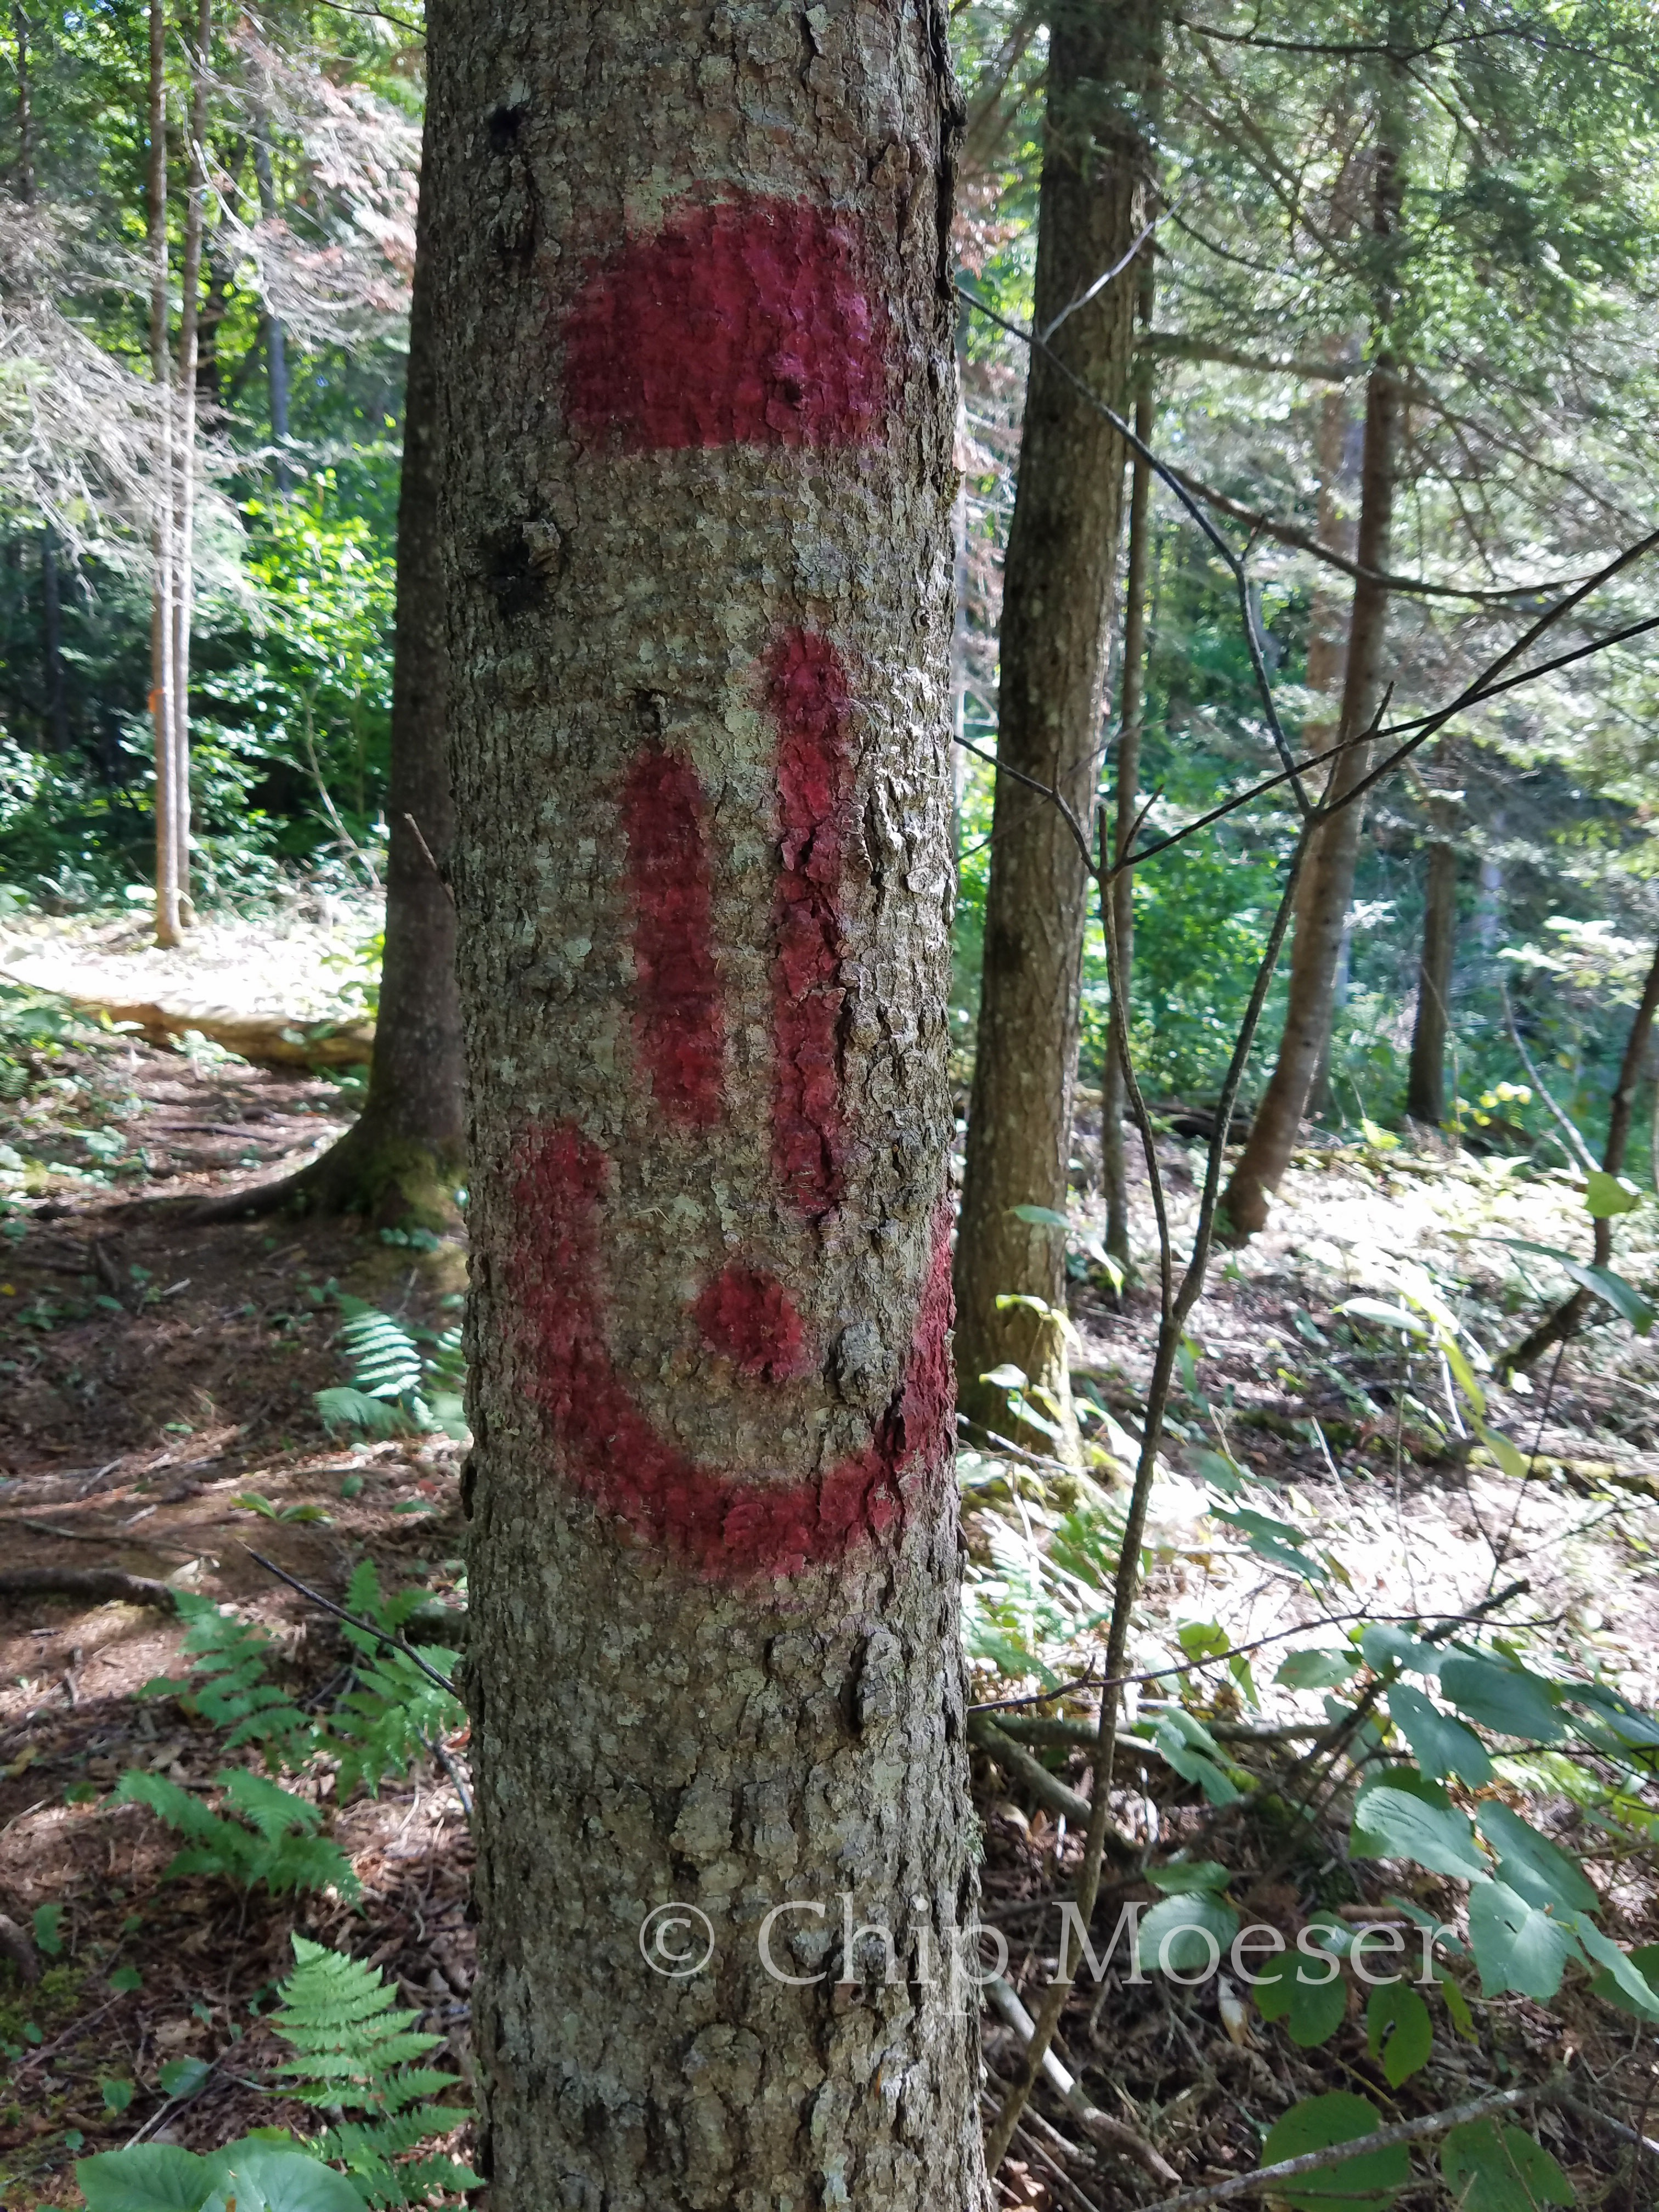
(271, 1039)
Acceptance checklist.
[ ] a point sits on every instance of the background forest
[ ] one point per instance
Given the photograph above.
(1384, 302)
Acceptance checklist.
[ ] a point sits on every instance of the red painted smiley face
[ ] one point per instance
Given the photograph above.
(743, 324)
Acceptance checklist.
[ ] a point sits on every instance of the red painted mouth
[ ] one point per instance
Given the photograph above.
(729, 1526)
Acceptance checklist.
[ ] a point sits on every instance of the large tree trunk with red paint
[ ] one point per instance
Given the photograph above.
(1057, 595)
(699, 398)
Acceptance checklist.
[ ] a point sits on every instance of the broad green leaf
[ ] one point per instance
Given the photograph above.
(1490, 2171)
(262, 2177)
(1007, 1377)
(1538, 1870)
(1515, 1946)
(1361, 2184)
(1193, 1932)
(1508, 1698)
(182, 2077)
(149, 2177)
(1385, 1316)
(1315, 1670)
(1604, 1195)
(1458, 1360)
(1458, 2006)
(1398, 2030)
(44, 1922)
(1627, 1722)
(1384, 1646)
(1645, 1960)
(1185, 1876)
(1307, 1994)
(1271, 1539)
(116, 2093)
(1442, 1745)
(1627, 1977)
(1624, 1297)
(1509, 1457)
(1194, 1764)
(1437, 1837)
(1043, 1216)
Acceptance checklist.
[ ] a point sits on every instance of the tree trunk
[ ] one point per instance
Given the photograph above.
(697, 378)
(1113, 1092)
(184, 600)
(1425, 1080)
(20, 24)
(1058, 581)
(52, 639)
(275, 340)
(1326, 886)
(1336, 448)
(405, 1154)
(162, 715)
(1568, 1316)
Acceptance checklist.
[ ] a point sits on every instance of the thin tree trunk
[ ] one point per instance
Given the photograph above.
(1326, 886)
(1336, 448)
(163, 719)
(275, 340)
(404, 1156)
(1425, 1080)
(1114, 1097)
(1058, 584)
(52, 641)
(1568, 1316)
(20, 24)
(698, 400)
(184, 600)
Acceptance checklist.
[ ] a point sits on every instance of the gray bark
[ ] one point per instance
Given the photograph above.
(1114, 1090)
(698, 559)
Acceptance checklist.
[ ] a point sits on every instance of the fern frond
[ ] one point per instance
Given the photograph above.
(271, 1811)
(353, 2044)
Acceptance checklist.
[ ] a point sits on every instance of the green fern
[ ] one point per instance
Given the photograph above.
(355, 2058)
(404, 1381)
(393, 1711)
(227, 1685)
(272, 1839)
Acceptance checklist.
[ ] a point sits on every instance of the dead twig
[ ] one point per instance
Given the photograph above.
(1312, 2162)
(1100, 2127)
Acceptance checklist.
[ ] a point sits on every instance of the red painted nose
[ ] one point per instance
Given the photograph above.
(747, 1317)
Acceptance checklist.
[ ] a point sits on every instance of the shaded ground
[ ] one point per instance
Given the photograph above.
(157, 1415)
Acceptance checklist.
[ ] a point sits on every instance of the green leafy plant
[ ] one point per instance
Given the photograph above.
(393, 1709)
(227, 1685)
(405, 1380)
(256, 2174)
(272, 1838)
(355, 2054)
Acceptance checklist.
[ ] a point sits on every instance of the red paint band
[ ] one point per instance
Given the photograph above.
(808, 692)
(729, 1526)
(743, 323)
(679, 1023)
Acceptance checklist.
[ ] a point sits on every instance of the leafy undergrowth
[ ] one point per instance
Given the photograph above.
(1398, 1643)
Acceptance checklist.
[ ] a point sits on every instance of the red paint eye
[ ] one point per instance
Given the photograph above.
(745, 324)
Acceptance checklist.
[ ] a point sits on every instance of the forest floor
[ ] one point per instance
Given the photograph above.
(158, 1418)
